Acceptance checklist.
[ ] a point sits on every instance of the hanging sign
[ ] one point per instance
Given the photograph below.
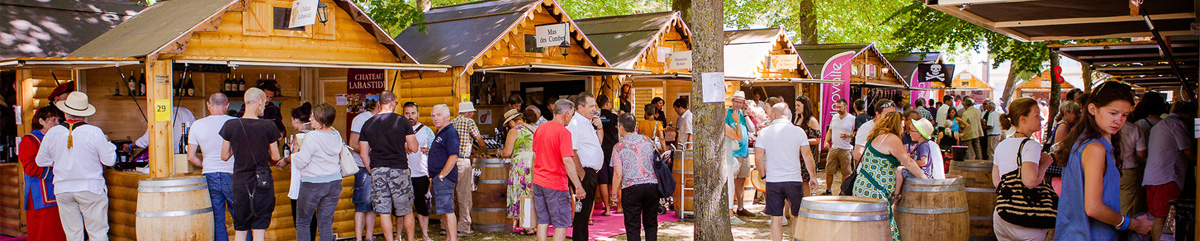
(713, 86)
(785, 61)
(304, 13)
(365, 81)
(551, 35)
(663, 53)
(680, 60)
(935, 73)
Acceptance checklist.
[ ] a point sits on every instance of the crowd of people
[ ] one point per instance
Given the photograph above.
(1123, 160)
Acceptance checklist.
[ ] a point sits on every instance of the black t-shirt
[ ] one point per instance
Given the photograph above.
(385, 133)
(861, 119)
(608, 121)
(250, 141)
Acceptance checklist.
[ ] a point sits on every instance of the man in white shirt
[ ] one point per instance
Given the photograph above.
(1172, 150)
(947, 103)
(841, 127)
(684, 123)
(205, 136)
(860, 137)
(361, 197)
(182, 118)
(418, 163)
(586, 133)
(78, 152)
(775, 157)
(994, 131)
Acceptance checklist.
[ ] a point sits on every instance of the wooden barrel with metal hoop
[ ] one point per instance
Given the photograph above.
(981, 195)
(682, 170)
(174, 208)
(933, 209)
(489, 204)
(842, 218)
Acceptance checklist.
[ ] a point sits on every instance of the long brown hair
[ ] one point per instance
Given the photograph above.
(1017, 109)
(891, 123)
(1087, 128)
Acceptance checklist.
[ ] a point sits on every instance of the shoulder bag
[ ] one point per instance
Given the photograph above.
(1035, 207)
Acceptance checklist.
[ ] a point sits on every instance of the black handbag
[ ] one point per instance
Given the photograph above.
(1035, 207)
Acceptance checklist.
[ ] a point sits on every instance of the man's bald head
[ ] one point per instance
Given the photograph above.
(780, 111)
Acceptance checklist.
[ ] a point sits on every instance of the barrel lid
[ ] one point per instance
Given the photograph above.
(934, 182)
(493, 160)
(172, 181)
(973, 163)
(844, 204)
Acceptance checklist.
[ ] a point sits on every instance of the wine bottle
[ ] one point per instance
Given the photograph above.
(182, 148)
(190, 87)
(142, 85)
(117, 91)
(241, 86)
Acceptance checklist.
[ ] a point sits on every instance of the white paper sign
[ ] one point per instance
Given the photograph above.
(680, 60)
(663, 53)
(551, 35)
(714, 86)
(304, 13)
(341, 100)
(785, 61)
(17, 110)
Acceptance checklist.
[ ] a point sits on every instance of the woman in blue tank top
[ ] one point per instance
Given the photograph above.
(1091, 182)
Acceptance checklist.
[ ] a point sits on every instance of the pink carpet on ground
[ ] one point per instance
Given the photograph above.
(609, 226)
(7, 238)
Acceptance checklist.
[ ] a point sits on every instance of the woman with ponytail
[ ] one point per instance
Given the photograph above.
(1024, 116)
(1090, 200)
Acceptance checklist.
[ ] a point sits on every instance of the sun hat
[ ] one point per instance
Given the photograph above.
(76, 105)
(510, 115)
(924, 127)
(464, 107)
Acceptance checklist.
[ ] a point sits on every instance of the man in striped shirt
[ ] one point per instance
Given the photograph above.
(467, 130)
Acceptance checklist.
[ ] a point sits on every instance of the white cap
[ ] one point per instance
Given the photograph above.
(464, 107)
(739, 94)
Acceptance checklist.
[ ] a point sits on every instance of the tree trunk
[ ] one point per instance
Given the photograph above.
(1087, 77)
(706, 18)
(1055, 95)
(1009, 85)
(808, 23)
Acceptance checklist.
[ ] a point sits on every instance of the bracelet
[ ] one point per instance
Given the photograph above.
(1124, 223)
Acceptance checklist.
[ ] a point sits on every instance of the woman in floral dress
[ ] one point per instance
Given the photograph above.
(877, 173)
(519, 147)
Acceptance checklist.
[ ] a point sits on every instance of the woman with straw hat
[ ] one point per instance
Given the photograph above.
(519, 146)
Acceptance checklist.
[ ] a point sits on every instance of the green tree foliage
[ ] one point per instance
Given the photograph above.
(921, 28)
(837, 21)
(579, 9)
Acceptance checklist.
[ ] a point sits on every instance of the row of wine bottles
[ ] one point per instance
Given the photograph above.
(232, 86)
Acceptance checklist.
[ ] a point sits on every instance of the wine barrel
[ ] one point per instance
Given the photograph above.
(842, 218)
(682, 170)
(933, 209)
(174, 208)
(981, 196)
(489, 203)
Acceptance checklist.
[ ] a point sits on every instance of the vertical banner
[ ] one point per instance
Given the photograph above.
(836, 68)
(362, 91)
(915, 95)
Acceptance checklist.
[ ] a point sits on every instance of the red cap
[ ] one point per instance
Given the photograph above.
(63, 88)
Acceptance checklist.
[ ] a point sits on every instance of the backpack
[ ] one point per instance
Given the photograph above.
(662, 172)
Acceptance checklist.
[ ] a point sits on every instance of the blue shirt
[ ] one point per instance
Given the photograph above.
(444, 145)
(1073, 222)
(744, 144)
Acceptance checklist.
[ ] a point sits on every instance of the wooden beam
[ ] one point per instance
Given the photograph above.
(977, 20)
(961, 2)
(1115, 35)
(161, 143)
(1110, 19)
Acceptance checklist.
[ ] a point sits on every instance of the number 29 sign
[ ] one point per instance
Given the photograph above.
(162, 110)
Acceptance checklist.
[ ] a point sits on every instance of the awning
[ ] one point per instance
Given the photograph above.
(71, 63)
(678, 76)
(1041, 20)
(560, 69)
(1138, 63)
(879, 85)
(318, 64)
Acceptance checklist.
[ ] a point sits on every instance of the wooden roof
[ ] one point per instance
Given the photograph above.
(166, 28)
(1041, 20)
(459, 35)
(1042, 81)
(626, 39)
(55, 28)
(747, 52)
(966, 80)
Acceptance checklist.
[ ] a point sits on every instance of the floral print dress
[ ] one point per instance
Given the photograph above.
(520, 176)
(877, 179)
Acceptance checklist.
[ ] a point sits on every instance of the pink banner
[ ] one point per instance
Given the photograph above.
(917, 94)
(836, 68)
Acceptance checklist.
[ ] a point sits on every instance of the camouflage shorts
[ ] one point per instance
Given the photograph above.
(391, 191)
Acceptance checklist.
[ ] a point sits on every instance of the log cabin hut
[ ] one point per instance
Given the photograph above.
(765, 60)
(643, 42)
(492, 48)
(1038, 88)
(907, 66)
(203, 43)
(37, 30)
(967, 85)
(870, 75)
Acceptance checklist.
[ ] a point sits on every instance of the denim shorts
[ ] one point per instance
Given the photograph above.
(362, 191)
(443, 196)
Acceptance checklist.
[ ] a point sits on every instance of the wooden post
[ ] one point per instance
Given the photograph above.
(1087, 77)
(158, 89)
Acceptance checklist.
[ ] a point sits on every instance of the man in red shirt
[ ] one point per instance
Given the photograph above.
(552, 199)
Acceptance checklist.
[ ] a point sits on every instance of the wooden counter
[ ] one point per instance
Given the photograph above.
(12, 216)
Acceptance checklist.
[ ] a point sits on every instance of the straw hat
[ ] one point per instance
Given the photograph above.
(76, 105)
(924, 127)
(738, 95)
(510, 115)
(464, 107)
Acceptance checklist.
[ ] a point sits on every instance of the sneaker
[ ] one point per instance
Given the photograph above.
(466, 234)
(828, 193)
(745, 213)
(736, 221)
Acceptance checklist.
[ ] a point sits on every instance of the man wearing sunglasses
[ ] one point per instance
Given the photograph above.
(860, 137)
